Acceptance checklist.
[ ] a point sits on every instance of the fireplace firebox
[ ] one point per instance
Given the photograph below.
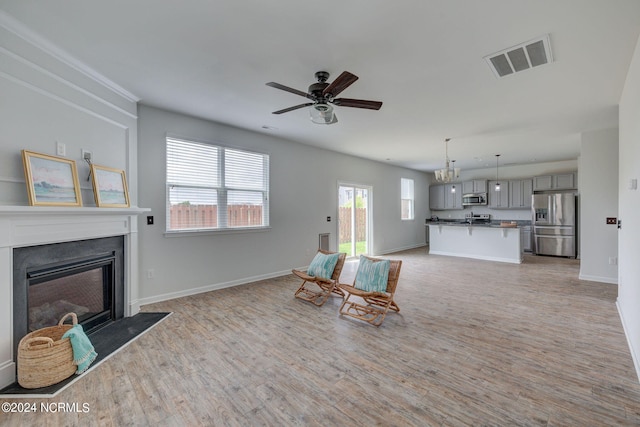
(85, 277)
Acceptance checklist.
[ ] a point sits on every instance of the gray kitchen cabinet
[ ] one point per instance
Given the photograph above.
(452, 199)
(442, 198)
(498, 199)
(562, 181)
(565, 181)
(520, 191)
(436, 197)
(542, 183)
(475, 186)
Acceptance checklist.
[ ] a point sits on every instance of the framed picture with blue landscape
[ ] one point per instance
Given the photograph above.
(109, 187)
(51, 180)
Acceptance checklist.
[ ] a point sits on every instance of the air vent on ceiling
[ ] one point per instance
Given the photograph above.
(521, 57)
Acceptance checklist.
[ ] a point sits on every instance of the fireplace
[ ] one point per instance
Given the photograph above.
(85, 277)
(24, 227)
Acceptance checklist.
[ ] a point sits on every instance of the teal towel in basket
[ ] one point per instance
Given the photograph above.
(83, 352)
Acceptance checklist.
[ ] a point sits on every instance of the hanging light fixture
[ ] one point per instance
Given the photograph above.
(497, 182)
(453, 164)
(322, 113)
(447, 174)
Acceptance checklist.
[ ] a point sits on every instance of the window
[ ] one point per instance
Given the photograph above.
(406, 198)
(215, 188)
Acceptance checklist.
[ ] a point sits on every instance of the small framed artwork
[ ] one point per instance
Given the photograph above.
(109, 187)
(51, 180)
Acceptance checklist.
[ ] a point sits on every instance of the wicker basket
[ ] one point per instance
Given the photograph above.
(44, 358)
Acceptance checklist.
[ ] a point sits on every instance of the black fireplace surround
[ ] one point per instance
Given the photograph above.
(35, 265)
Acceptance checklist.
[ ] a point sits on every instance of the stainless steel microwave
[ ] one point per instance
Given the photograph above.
(474, 199)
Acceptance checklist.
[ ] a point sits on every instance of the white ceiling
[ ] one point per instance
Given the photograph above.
(422, 58)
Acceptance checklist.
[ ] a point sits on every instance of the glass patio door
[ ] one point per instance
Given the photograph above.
(353, 220)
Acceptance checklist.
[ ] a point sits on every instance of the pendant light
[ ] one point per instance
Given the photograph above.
(453, 164)
(497, 182)
(447, 174)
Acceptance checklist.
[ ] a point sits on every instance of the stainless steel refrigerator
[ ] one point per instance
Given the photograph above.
(554, 224)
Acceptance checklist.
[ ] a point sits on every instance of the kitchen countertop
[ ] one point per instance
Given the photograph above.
(492, 224)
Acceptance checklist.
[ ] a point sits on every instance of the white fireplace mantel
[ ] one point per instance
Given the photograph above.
(22, 226)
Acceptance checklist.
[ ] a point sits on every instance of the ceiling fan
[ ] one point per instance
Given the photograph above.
(324, 94)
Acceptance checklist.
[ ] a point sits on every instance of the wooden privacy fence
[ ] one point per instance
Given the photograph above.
(345, 224)
(206, 216)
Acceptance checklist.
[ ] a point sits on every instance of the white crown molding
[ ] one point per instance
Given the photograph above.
(16, 27)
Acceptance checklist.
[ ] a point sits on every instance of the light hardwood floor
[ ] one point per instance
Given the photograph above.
(475, 343)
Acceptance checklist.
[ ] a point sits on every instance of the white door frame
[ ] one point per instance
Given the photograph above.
(369, 231)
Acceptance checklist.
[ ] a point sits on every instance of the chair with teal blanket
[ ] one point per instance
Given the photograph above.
(320, 279)
(371, 295)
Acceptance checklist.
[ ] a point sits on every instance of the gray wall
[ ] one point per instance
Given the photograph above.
(303, 192)
(45, 99)
(629, 206)
(598, 200)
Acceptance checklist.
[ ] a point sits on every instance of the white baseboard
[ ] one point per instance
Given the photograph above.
(602, 279)
(634, 355)
(404, 248)
(7, 374)
(208, 288)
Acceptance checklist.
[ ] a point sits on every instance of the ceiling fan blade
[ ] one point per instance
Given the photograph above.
(343, 81)
(286, 110)
(289, 89)
(358, 103)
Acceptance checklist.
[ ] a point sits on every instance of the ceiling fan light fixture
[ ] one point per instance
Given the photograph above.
(321, 113)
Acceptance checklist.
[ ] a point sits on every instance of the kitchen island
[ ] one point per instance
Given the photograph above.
(481, 241)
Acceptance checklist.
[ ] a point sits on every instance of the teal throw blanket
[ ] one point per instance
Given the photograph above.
(83, 352)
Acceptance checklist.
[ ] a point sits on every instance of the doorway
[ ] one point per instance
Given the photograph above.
(354, 224)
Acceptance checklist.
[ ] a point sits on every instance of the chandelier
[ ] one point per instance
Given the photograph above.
(449, 172)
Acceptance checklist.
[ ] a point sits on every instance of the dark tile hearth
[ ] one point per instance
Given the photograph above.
(107, 341)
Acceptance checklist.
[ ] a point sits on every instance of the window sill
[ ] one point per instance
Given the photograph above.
(204, 232)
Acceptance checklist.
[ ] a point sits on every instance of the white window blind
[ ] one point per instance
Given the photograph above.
(406, 198)
(215, 188)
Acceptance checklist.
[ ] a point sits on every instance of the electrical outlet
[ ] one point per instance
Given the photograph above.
(612, 221)
(87, 155)
(613, 260)
(149, 220)
(151, 273)
(61, 149)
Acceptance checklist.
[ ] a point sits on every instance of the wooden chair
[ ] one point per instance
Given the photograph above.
(376, 304)
(323, 288)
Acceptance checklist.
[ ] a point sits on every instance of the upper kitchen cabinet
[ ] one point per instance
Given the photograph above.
(520, 192)
(475, 186)
(441, 197)
(563, 181)
(498, 199)
(436, 197)
(452, 196)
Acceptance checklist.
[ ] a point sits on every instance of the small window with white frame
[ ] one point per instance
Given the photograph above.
(406, 199)
(215, 188)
